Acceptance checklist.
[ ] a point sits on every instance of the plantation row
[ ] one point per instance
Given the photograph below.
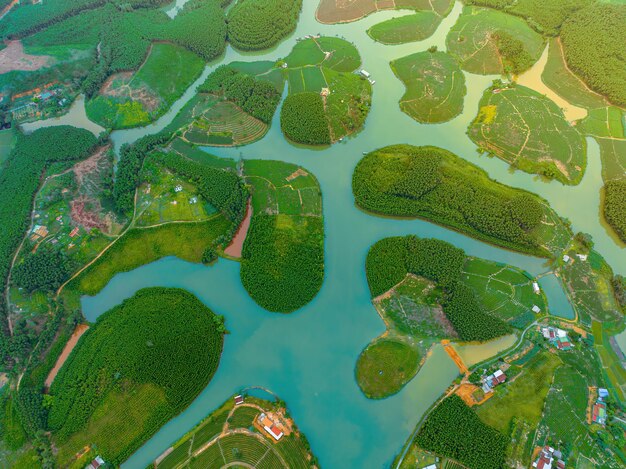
(19, 181)
(452, 429)
(260, 24)
(615, 206)
(257, 97)
(161, 336)
(435, 184)
(390, 259)
(303, 120)
(44, 270)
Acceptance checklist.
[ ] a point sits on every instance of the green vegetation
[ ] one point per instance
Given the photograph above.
(390, 259)
(529, 131)
(489, 42)
(227, 436)
(45, 270)
(326, 101)
(141, 246)
(385, 366)
(282, 265)
(592, 40)
(435, 86)
(615, 206)
(19, 181)
(141, 364)
(453, 429)
(261, 24)
(138, 99)
(416, 27)
(434, 184)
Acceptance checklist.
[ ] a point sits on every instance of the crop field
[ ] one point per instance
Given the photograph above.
(604, 122)
(503, 291)
(141, 246)
(130, 100)
(412, 308)
(557, 77)
(522, 398)
(403, 29)
(214, 445)
(529, 131)
(263, 70)
(435, 86)
(183, 148)
(339, 11)
(613, 155)
(324, 65)
(385, 366)
(160, 202)
(473, 40)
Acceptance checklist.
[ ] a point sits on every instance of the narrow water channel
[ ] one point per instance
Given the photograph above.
(308, 358)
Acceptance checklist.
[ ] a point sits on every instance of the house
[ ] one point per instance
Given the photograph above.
(566, 258)
(40, 231)
(599, 413)
(432, 466)
(603, 393)
(582, 257)
(74, 232)
(364, 73)
(96, 463)
(270, 427)
(536, 309)
(549, 458)
(499, 376)
(178, 188)
(238, 399)
(193, 200)
(536, 288)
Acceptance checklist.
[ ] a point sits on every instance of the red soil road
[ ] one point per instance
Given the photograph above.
(13, 57)
(78, 332)
(236, 246)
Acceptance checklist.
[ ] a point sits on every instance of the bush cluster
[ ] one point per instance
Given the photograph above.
(161, 336)
(453, 430)
(390, 259)
(258, 98)
(432, 183)
(303, 120)
(260, 24)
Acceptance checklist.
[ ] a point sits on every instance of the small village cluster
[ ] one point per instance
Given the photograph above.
(549, 458)
(557, 337)
(598, 413)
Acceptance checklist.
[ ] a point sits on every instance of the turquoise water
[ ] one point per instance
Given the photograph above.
(308, 358)
(557, 299)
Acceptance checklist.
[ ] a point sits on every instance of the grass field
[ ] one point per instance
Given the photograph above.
(327, 63)
(227, 436)
(503, 291)
(472, 40)
(522, 398)
(141, 246)
(410, 28)
(385, 366)
(529, 131)
(131, 100)
(435, 86)
(189, 151)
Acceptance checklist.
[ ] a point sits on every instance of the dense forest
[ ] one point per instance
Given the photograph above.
(259, 98)
(390, 259)
(162, 337)
(615, 206)
(260, 24)
(593, 42)
(452, 429)
(19, 181)
(303, 120)
(435, 184)
(44, 270)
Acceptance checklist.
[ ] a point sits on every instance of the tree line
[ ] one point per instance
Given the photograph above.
(615, 206)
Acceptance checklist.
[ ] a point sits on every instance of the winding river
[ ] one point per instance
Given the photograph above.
(308, 358)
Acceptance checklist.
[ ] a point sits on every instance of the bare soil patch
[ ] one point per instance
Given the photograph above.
(236, 246)
(345, 11)
(13, 58)
(78, 332)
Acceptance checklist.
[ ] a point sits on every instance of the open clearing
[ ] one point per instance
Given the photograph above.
(345, 11)
(13, 58)
(530, 132)
(435, 86)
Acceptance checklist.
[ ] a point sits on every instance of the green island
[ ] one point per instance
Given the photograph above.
(244, 430)
(261, 24)
(138, 366)
(231, 108)
(435, 86)
(129, 99)
(480, 300)
(326, 101)
(487, 41)
(416, 27)
(530, 132)
(436, 185)
(282, 262)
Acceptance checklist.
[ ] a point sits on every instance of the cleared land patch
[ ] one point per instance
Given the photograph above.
(344, 11)
(489, 42)
(530, 132)
(13, 57)
(435, 86)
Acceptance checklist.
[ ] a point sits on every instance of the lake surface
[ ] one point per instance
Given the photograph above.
(308, 357)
